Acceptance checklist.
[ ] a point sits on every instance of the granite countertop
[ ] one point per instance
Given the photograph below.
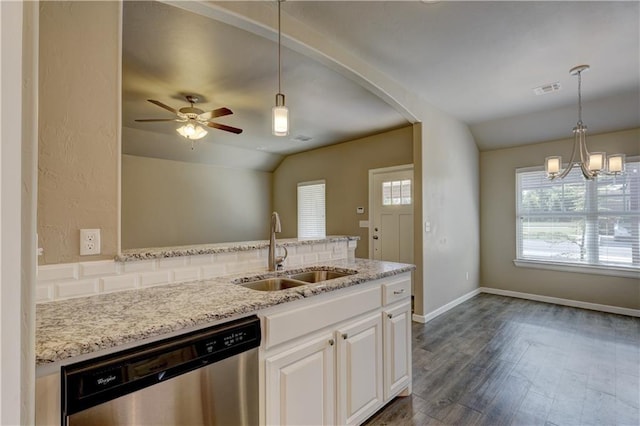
(69, 328)
(192, 250)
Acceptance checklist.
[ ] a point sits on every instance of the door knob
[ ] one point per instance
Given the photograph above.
(375, 237)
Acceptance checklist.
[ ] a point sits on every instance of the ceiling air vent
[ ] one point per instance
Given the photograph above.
(547, 88)
(301, 138)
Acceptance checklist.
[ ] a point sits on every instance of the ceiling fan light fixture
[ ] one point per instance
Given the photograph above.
(191, 131)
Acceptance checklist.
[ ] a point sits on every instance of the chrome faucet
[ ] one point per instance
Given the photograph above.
(275, 262)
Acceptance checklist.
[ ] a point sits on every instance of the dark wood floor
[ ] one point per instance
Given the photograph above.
(496, 360)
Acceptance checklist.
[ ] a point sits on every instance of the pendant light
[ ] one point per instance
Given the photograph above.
(280, 111)
(591, 164)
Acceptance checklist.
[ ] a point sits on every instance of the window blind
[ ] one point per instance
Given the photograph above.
(576, 221)
(311, 209)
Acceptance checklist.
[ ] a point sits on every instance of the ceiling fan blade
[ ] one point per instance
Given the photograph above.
(161, 105)
(225, 128)
(220, 112)
(155, 119)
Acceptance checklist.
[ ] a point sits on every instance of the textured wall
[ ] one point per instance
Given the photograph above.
(451, 204)
(78, 127)
(498, 227)
(169, 203)
(345, 168)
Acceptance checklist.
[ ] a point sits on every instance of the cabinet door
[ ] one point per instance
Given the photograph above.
(300, 387)
(397, 349)
(360, 391)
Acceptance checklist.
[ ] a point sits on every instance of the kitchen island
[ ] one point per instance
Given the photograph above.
(77, 329)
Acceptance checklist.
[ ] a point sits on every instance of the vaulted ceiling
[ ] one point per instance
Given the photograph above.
(478, 61)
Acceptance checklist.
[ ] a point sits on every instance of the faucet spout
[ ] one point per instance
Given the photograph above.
(274, 261)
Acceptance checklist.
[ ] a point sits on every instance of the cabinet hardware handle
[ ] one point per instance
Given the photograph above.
(399, 291)
(345, 336)
(390, 316)
(331, 342)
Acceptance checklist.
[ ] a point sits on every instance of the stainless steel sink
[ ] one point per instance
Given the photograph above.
(273, 284)
(318, 276)
(291, 280)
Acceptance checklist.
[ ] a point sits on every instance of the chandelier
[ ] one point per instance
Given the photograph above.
(591, 163)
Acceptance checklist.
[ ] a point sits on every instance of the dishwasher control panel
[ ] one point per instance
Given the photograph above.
(98, 380)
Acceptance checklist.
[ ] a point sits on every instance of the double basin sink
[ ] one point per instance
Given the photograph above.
(291, 280)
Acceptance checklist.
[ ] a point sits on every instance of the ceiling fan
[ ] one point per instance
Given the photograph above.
(194, 115)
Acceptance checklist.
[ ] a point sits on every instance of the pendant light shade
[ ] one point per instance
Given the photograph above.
(280, 117)
(280, 113)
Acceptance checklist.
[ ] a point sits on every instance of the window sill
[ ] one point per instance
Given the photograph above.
(582, 269)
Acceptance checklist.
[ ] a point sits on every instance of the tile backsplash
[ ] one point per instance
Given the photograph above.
(69, 280)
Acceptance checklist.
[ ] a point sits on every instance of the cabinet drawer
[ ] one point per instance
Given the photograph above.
(287, 325)
(396, 290)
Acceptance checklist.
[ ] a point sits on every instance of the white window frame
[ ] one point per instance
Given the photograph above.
(600, 269)
(315, 225)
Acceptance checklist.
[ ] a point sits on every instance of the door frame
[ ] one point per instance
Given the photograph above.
(372, 173)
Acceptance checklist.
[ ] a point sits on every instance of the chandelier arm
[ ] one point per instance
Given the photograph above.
(584, 153)
(572, 160)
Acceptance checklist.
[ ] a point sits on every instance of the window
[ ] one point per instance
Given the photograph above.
(578, 222)
(311, 210)
(397, 192)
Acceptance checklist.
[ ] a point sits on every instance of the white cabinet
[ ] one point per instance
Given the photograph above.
(337, 358)
(360, 381)
(397, 349)
(300, 386)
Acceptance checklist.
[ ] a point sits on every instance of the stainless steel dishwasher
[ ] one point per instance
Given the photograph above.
(209, 377)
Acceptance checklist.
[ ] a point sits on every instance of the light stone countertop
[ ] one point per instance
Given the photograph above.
(74, 327)
(192, 250)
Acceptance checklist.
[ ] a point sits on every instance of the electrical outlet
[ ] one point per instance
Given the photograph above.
(89, 242)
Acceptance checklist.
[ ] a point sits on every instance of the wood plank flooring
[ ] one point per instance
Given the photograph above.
(496, 360)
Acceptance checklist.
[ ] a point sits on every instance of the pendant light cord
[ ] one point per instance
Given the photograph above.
(279, 49)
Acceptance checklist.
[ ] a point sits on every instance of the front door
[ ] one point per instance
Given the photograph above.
(391, 226)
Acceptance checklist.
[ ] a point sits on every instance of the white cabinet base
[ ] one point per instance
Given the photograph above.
(360, 390)
(397, 338)
(300, 384)
(338, 357)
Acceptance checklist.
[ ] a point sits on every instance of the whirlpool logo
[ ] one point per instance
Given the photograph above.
(106, 380)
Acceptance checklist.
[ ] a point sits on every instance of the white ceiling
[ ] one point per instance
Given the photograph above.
(478, 61)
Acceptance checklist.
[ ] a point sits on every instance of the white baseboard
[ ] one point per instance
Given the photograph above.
(441, 310)
(539, 298)
(565, 302)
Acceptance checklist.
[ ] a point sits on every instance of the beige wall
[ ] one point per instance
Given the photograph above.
(498, 229)
(451, 204)
(345, 168)
(79, 98)
(232, 204)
